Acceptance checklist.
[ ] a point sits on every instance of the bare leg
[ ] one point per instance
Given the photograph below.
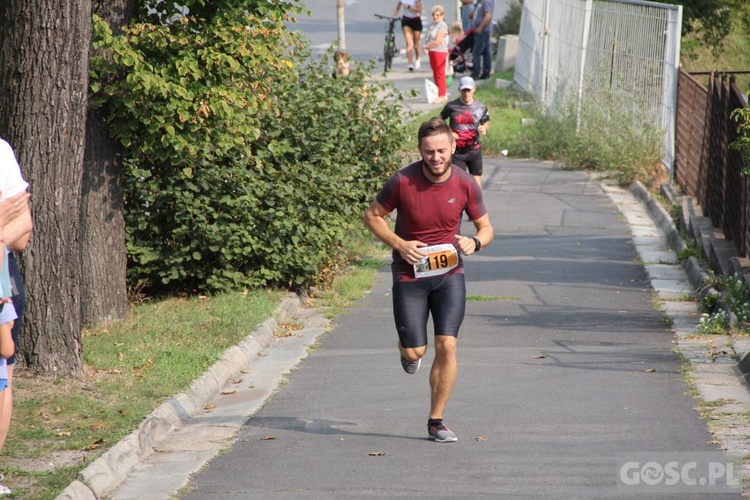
(479, 180)
(443, 374)
(412, 353)
(409, 39)
(6, 408)
(415, 42)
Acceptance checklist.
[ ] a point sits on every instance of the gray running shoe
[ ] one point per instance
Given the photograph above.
(410, 367)
(440, 433)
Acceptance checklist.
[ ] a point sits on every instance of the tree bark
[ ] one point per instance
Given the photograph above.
(104, 297)
(44, 50)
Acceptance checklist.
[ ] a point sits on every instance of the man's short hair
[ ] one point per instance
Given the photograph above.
(434, 126)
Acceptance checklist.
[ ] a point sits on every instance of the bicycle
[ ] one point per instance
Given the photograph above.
(389, 50)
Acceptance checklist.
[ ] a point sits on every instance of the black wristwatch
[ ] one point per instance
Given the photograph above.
(478, 243)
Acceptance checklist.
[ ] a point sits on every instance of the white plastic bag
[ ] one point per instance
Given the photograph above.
(430, 91)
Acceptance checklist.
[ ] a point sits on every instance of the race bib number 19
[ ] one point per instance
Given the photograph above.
(439, 260)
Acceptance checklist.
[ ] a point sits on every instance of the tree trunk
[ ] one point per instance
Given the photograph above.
(104, 297)
(44, 50)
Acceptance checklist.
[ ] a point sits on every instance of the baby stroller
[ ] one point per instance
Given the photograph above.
(460, 56)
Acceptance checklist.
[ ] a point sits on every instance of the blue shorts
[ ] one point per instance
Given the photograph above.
(3, 383)
(413, 301)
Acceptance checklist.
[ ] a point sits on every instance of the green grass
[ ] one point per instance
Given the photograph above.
(354, 284)
(482, 298)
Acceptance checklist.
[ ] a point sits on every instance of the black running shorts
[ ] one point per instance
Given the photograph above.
(415, 23)
(470, 160)
(444, 297)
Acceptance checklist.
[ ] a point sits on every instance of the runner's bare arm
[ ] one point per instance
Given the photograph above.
(409, 250)
(485, 235)
(17, 219)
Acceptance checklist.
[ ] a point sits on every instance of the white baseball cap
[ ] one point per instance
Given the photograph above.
(466, 82)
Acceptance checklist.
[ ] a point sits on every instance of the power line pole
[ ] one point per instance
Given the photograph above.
(340, 15)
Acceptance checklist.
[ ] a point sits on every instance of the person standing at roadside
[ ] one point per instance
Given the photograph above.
(411, 26)
(430, 196)
(436, 46)
(468, 119)
(482, 52)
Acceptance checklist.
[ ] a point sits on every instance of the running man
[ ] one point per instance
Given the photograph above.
(428, 248)
(468, 119)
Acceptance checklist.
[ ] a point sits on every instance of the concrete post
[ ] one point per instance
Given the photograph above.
(340, 14)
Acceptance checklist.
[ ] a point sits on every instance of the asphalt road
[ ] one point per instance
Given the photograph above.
(565, 367)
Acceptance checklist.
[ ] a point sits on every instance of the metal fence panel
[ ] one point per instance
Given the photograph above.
(573, 50)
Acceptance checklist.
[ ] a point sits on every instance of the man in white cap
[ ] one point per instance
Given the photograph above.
(468, 119)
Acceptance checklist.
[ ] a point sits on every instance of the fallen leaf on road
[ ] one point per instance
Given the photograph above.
(541, 356)
(237, 381)
(209, 407)
(480, 439)
(376, 453)
(228, 393)
(651, 370)
(268, 438)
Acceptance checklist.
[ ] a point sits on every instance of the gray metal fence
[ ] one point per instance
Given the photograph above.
(621, 50)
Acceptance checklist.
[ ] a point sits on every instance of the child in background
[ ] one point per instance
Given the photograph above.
(341, 58)
(456, 33)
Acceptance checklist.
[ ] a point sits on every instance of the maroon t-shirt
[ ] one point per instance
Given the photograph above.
(429, 212)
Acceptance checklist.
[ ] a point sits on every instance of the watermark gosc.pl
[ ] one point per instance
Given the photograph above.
(699, 472)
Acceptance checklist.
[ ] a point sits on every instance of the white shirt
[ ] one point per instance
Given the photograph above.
(11, 180)
(408, 6)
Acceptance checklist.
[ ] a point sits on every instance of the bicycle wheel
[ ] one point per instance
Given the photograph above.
(390, 49)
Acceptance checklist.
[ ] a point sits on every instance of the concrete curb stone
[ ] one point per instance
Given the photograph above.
(104, 474)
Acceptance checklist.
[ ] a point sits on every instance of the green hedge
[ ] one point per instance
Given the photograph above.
(246, 163)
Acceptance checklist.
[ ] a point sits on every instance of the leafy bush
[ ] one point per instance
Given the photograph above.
(742, 144)
(243, 165)
(736, 298)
